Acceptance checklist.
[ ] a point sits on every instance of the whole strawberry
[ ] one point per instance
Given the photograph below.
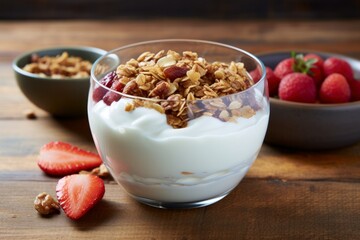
(273, 82)
(337, 65)
(284, 67)
(355, 89)
(316, 70)
(319, 61)
(335, 89)
(272, 79)
(255, 75)
(311, 65)
(297, 87)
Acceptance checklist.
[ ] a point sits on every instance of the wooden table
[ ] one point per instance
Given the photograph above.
(287, 194)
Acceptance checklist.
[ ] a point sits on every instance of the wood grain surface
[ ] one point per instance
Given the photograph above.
(287, 194)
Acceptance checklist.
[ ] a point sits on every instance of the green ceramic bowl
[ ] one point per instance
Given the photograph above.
(59, 97)
(312, 126)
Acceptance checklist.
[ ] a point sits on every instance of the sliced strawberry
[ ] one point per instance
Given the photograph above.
(60, 159)
(78, 193)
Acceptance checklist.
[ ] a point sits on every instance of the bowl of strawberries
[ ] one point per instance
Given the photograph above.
(314, 99)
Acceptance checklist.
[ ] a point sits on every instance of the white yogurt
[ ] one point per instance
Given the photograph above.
(152, 160)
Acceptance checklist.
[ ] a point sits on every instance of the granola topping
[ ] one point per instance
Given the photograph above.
(182, 80)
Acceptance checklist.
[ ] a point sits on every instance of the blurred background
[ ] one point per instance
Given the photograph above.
(211, 9)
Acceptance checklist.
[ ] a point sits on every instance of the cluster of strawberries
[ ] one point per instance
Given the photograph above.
(311, 79)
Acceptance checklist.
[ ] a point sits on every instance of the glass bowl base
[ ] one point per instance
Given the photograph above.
(180, 205)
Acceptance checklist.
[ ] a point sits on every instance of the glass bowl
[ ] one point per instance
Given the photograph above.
(171, 153)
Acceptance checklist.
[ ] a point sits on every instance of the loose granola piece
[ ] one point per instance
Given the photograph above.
(30, 114)
(245, 112)
(235, 105)
(45, 204)
(129, 107)
(224, 115)
(166, 61)
(191, 55)
(100, 171)
(153, 105)
(190, 97)
(193, 76)
(175, 121)
(218, 103)
(161, 90)
(130, 87)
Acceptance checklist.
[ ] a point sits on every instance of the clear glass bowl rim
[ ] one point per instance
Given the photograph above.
(113, 51)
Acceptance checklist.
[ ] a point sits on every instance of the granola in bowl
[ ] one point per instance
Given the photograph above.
(61, 66)
(163, 113)
(57, 79)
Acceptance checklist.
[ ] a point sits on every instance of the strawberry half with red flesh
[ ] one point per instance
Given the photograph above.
(60, 159)
(78, 193)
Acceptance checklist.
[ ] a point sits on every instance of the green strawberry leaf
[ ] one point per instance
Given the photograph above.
(300, 65)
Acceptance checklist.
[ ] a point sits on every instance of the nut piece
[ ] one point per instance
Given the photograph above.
(30, 114)
(45, 204)
(161, 90)
(174, 72)
(103, 171)
(100, 171)
(166, 61)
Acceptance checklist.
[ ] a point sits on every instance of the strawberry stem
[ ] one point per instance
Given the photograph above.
(300, 65)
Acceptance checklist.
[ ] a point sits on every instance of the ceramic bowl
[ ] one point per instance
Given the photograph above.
(312, 126)
(60, 97)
